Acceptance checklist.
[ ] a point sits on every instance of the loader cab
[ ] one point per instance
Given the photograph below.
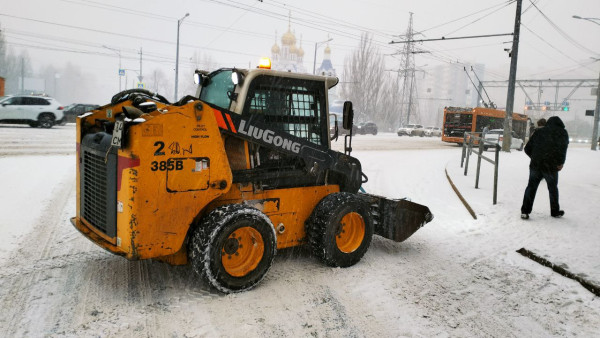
(291, 102)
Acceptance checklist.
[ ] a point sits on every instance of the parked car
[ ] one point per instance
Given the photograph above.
(73, 110)
(496, 137)
(35, 111)
(366, 128)
(412, 130)
(432, 131)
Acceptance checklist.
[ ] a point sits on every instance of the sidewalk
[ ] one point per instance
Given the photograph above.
(571, 241)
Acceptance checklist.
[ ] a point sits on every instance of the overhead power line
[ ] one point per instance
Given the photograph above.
(453, 38)
(481, 18)
(466, 16)
(563, 33)
(552, 46)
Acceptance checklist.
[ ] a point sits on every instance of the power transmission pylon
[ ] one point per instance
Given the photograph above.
(408, 103)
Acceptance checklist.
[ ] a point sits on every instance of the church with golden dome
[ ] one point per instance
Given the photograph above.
(326, 67)
(288, 57)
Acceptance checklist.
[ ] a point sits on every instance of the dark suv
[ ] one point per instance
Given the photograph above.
(366, 128)
(76, 109)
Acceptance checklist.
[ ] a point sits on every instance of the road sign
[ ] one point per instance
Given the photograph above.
(141, 85)
(121, 72)
(140, 78)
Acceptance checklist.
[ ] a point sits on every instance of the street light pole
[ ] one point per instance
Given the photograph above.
(118, 51)
(177, 55)
(317, 44)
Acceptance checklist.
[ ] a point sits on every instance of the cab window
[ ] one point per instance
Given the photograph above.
(216, 90)
(291, 105)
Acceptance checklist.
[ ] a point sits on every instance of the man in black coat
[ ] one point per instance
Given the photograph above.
(547, 149)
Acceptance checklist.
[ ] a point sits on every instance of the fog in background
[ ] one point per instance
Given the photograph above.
(70, 49)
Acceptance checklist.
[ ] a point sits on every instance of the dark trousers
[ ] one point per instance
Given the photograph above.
(535, 177)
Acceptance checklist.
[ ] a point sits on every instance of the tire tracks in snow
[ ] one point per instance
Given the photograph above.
(36, 246)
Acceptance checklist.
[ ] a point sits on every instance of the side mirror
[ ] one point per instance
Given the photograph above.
(348, 115)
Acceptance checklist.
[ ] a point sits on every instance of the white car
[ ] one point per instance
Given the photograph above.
(411, 130)
(432, 131)
(496, 137)
(35, 111)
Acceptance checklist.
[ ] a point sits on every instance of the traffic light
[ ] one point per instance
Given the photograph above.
(565, 108)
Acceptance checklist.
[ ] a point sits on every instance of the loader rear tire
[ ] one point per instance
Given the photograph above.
(340, 229)
(233, 247)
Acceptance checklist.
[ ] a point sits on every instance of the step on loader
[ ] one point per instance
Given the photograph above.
(224, 178)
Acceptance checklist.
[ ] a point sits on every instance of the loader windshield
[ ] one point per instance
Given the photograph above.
(217, 87)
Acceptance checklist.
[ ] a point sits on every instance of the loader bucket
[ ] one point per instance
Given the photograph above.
(397, 219)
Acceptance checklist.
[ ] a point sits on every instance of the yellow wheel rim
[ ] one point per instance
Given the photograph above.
(242, 251)
(351, 232)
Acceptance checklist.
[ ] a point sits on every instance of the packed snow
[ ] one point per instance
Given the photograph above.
(455, 277)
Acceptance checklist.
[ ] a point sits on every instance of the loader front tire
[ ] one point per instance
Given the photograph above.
(233, 247)
(340, 229)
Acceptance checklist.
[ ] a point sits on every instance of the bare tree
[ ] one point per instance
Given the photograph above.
(158, 82)
(202, 62)
(364, 80)
(391, 102)
(3, 55)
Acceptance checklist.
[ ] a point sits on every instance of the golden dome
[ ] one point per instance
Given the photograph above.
(300, 52)
(275, 49)
(293, 49)
(327, 50)
(288, 38)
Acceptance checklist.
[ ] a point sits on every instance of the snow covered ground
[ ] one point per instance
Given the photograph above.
(456, 277)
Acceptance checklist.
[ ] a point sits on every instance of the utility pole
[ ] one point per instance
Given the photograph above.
(596, 117)
(22, 76)
(408, 85)
(510, 97)
(140, 77)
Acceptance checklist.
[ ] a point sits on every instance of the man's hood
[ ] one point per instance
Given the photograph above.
(556, 122)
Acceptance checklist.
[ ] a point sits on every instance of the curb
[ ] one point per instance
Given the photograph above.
(595, 289)
(462, 199)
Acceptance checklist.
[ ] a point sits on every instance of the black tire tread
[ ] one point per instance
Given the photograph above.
(318, 223)
(199, 248)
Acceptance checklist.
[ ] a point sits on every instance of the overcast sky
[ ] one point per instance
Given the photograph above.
(238, 32)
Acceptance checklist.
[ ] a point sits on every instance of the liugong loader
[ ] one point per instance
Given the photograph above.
(224, 179)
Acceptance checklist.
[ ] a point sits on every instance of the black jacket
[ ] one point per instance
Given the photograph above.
(547, 147)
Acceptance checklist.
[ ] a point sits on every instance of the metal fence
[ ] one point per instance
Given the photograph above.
(473, 143)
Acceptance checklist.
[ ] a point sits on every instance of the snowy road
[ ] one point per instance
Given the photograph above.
(456, 277)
